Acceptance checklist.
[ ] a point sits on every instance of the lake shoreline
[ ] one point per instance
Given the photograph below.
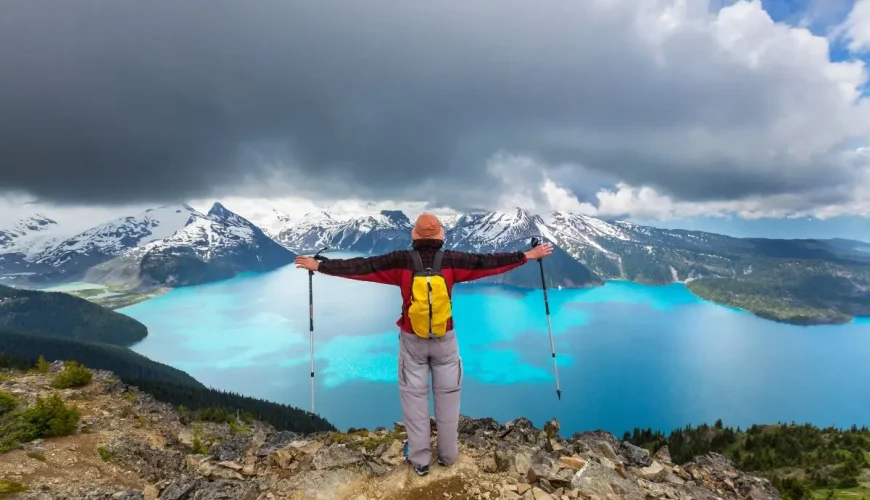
(126, 298)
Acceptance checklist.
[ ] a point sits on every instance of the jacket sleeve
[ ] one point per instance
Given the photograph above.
(472, 266)
(384, 269)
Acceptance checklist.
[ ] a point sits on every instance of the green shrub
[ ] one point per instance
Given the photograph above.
(51, 417)
(36, 455)
(237, 429)
(104, 453)
(42, 365)
(73, 375)
(198, 447)
(7, 402)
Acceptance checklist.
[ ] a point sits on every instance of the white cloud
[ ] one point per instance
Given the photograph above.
(856, 27)
(71, 219)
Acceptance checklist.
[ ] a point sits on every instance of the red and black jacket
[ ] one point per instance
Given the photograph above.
(395, 268)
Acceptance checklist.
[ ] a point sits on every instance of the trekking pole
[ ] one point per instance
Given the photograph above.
(318, 258)
(536, 242)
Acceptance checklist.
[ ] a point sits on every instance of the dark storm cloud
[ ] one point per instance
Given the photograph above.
(118, 101)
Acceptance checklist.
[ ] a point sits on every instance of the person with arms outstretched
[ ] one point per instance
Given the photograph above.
(427, 340)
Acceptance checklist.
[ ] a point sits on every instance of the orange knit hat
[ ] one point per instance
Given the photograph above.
(427, 228)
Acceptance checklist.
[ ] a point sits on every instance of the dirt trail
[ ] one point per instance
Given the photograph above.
(67, 460)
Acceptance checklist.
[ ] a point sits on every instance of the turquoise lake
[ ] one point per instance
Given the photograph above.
(629, 355)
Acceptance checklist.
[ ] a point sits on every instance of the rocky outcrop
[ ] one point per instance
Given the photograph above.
(135, 448)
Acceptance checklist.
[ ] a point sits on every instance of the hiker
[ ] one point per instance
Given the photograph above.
(427, 341)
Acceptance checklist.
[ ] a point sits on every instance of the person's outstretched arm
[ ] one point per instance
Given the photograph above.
(472, 266)
(378, 269)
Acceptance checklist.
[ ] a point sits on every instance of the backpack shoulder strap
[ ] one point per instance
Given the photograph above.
(416, 261)
(436, 264)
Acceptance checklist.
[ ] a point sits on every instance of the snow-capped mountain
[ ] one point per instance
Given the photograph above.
(478, 232)
(493, 231)
(374, 233)
(112, 238)
(216, 245)
(29, 236)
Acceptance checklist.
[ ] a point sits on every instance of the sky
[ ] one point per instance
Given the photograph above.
(743, 117)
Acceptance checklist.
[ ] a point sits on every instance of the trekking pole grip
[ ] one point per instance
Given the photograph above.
(320, 258)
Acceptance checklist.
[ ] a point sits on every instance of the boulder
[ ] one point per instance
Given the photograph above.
(655, 472)
(597, 480)
(572, 462)
(663, 455)
(336, 456)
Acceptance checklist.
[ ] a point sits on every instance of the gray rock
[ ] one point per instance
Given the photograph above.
(232, 449)
(178, 489)
(537, 472)
(655, 472)
(595, 480)
(663, 455)
(476, 432)
(634, 455)
(505, 457)
(522, 432)
(277, 440)
(224, 490)
(130, 495)
(336, 456)
(152, 463)
(522, 463)
(562, 478)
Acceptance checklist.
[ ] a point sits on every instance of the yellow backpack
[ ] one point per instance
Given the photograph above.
(430, 301)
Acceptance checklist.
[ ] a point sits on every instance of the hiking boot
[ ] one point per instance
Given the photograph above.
(421, 470)
(441, 462)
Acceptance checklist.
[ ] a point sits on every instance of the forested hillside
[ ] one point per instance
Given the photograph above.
(802, 461)
(125, 363)
(63, 315)
(165, 383)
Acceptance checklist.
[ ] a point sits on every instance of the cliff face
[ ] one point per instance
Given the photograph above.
(129, 446)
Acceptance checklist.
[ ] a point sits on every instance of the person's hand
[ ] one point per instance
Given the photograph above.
(540, 251)
(307, 263)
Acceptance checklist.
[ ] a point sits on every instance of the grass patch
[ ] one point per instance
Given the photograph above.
(104, 453)
(11, 487)
(859, 493)
(38, 455)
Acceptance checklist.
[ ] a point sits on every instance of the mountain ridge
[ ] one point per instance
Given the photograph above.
(799, 281)
(132, 446)
(772, 278)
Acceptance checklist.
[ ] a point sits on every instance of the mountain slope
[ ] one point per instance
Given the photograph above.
(480, 233)
(375, 233)
(139, 448)
(125, 363)
(796, 281)
(62, 315)
(112, 238)
(29, 236)
(217, 245)
(43, 255)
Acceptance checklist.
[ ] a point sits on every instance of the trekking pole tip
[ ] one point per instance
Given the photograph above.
(559, 394)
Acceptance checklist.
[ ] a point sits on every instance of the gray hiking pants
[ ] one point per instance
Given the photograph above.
(417, 357)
